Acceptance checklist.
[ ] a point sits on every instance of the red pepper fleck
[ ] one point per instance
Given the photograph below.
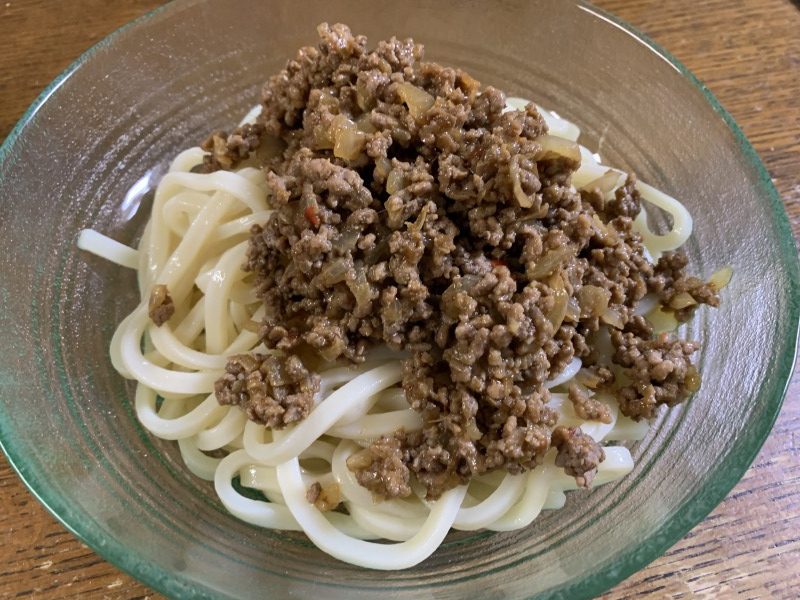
(311, 216)
(496, 262)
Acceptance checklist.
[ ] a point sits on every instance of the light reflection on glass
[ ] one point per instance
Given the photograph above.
(630, 33)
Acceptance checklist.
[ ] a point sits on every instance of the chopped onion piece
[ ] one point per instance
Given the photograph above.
(556, 147)
(721, 278)
(364, 124)
(417, 225)
(335, 271)
(348, 140)
(396, 181)
(393, 311)
(521, 197)
(662, 321)
(360, 288)
(588, 378)
(589, 172)
(467, 282)
(612, 317)
(607, 183)
(593, 301)
(383, 167)
(418, 100)
(346, 241)
(551, 261)
(647, 304)
(692, 380)
(682, 300)
(559, 311)
(573, 310)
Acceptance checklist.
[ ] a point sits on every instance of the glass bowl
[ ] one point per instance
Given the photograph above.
(88, 153)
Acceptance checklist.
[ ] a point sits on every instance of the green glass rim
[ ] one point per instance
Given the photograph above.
(727, 473)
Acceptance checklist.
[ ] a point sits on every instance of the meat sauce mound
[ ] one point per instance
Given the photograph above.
(412, 212)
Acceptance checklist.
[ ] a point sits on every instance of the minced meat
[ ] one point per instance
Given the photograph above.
(324, 498)
(659, 371)
(588, 408)
(411, 211)
(679, 293)
(160, 305)
(273, 390)
(227, 151)
(382, 469)
(579, 454)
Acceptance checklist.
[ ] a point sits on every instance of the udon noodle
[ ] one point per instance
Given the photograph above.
(195, 244)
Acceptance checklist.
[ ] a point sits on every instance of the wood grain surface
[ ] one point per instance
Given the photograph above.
(746, 51)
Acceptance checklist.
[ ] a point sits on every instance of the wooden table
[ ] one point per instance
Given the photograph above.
(746, 51)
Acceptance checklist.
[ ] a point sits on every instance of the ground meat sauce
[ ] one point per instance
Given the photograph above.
(412, 212)
(160, 306)
(676, 291)
(324, 498)
(578, 454)
(274, 391)
(658, 369)
(382, 468)
(225, 151)
(586, 407)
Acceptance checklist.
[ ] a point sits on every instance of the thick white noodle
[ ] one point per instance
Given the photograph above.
(490, 510)
(112, 250)
(681, 222)
(195, 244)
(568, 373)
(358, 552)
(264, 514)
(199, 463)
